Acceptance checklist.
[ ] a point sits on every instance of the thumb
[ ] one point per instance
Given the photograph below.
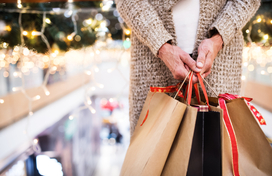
(190, 62)
(200, 59)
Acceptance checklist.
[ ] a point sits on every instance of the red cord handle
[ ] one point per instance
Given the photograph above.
(189, 95)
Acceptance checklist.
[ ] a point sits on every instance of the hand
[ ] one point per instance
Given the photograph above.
(177, 61)
(207, 52)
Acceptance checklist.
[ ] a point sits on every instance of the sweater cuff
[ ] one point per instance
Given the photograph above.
(157, 40)
(225, 26)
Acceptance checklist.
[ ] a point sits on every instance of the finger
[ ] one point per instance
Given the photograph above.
(201, 59)
(181, 72)
(195, 79)
(190, 62)
(187, 68)
(206, 74)
(208, 63)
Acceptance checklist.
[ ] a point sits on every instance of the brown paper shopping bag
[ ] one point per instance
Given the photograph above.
(151, 142)
(196, 149)
(254, 151)
(178, 159)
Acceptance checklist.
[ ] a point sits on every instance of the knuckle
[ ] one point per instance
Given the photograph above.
(178, 74)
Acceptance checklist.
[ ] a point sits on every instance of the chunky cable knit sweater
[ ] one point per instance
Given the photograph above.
(152, 26)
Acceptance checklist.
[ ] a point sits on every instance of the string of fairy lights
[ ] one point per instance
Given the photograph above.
(50, 61)
(258, 54)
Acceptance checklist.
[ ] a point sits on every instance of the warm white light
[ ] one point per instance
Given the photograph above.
(269, 69)
(109, 70)
(92, 54)
(16, 48)
(89, 21)
(101, 86)
(103, 24)
(54, 55)
(5, 45)
(54, 68)
(127, 32)
(96, 69)
(37, 97)
(47, 166)
(56, 51)
(88, 72)
(35, 141)
(19, 6)
(105, 8)
(25, 33)
(266, 36)
(246, 64)
(111, 100)
(30, 113)
(35, 33)
(247, 31)
(262, 72)
(26, 52)
(71, 117)
(15, 74)
(45, 58)
(16, 89)
(259, 20)
(69, 37)
(250, 67)
(93, 88)
(2, 56)
(97, 52)
(46, 91)
(89, 102)
(92, 109)
(2, 101)
(243, 77)
(48, 21)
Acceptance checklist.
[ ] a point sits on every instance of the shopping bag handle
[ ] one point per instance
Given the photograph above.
(190, 87)
(181, 85)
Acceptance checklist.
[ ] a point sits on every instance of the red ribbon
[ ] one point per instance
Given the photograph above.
(254, 111)
(230, 130)
(168, 89)
(232, 136)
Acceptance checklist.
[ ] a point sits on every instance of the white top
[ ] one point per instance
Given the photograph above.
(185, 16)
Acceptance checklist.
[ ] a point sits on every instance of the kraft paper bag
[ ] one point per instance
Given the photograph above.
(179, 157)
(150, 143)
(255, 153)
(196, 150)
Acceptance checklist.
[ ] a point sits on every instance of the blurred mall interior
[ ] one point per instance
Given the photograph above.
(64, 85)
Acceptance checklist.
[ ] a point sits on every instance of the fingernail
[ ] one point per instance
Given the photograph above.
(197, 69)
(199, 64)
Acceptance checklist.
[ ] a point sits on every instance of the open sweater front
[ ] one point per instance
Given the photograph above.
(152, 25)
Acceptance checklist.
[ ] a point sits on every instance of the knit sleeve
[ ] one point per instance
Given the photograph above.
(233, 17)
(145, 23)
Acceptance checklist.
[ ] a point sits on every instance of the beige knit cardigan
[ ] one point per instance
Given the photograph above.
(152, 26)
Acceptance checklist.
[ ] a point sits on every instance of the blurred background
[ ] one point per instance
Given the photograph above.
(64, 81)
